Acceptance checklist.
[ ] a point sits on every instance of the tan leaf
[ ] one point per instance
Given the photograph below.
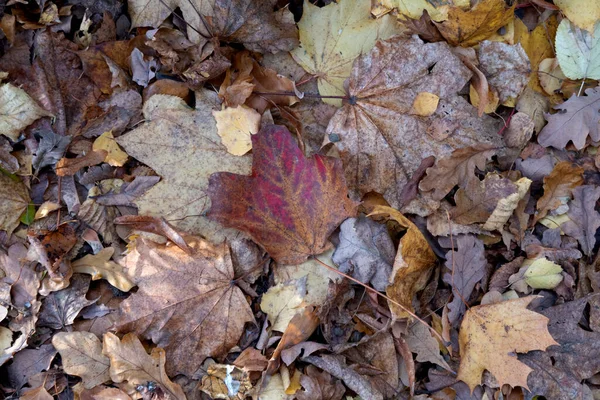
(81, 354)
(187, 304)
(99, 266)
(490, 335)
(235, 125)
(558, 187)
(70, 166)
(14, 199)
(224, 381)
(115, 156)
(130, 362)
(427, 348)
(413, 264)
(425, 104)
(282, 302)
(17, 111)
(506, 206)
(582, 13)
(39, 393)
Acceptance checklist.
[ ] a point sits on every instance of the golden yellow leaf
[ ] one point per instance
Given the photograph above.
(425, 104)
(413, 264)
(99, 266)
(331, 37)
(490, 336)
(281, 303)
(492, 103)
(583, 13)
(235, 125)
(467, 28)
(115, 156)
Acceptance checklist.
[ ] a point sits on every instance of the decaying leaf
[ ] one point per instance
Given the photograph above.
(490, 335)
(506, 67)
(130, 362)
(114, 155)
(99, 266)
(60, 308)
(29, 362)
(290, 204)
(70, 166)
(427, 348)
(319, 385)
(331, 38)
(282, 302)
(17, 111)
(558, 187)
(235, 125)
(584, 220)
(14, 199)
(186, 304)
(578, 51)
(50, 149)
(81, 354)
(225, 381)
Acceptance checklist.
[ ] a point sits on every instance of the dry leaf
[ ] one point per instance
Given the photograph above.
(235, 125)
(490, 335)
(130, 362)
(17, 111)
(60, 308)
(506, 206)
(70, 166)
(319, 385)
(506, 67)
(99, 266)
(156, 225)
(50, 149)
(115, 156)
(127, 193)
(425, 104)
(187, 304)
(427, 348)
(81, 355)
(582, 13)
(39, 393)
(14, 199)
(282, 302)
(558, 187)
(29, 362)
(290, 204)
(224, 381)
(415, 8)
(584, 220)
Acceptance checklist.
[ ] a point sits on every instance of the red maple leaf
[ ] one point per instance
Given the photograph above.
(290, 204)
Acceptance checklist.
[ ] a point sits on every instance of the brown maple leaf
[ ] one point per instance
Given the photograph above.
(290, 204)
(186, 304)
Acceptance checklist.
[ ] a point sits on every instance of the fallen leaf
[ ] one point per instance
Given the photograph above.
(29, 362)
(508, 205)
(224, 381)
(413, 263)
(128, 192)
(17, 111)
(542, 274)
(130, 362)
(584, 220)
(199, 311)
(468, 28)
(580, 12)
(551, 76)
(14, 199)
(427, 348)
(414, 9)
(282, 302)
(490, 335)
(156, 225)
(99, 266)
(425, 104)
(458, 169)
(39, 393)
(235, 125)
(50, 149)
(81, 355)
(331, 37)
(60, 308)
(290, 204)
(575, 120)
(70, 166)
(366, 252)
(183, 147)
(319, 386)
(506, 68)
(20, 275)
(578, 51)
(466, 266)
(558, 187)
(115, 156)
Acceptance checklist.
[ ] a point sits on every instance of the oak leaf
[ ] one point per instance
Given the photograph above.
(17, 111)
(576, 118)
(14, 199)
(182, 146)
(558, 187)
(489, 336)
(584, 220)
(81, 355)
(130, 362)
(331, 37)
(290, 204)
(186, 304)
(99, 266)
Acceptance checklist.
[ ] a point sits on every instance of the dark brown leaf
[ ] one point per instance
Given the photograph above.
(584, 219)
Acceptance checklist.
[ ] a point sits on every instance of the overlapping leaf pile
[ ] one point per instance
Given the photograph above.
(238, 199)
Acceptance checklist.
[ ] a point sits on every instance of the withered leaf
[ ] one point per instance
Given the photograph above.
(60, 308)
(17, 111)
(584, 220)
(19, 274)
(319, 386)
(70, 166)
(558, 187)
(81, 355)
(14, 199)
(99, 266)
(50, 149)
(128, 192)
(466, 267)
(186, 304)
(290, 204)
(28, 362)
(506, 67)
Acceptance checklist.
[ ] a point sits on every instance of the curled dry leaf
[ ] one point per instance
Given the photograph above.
(290, 204)
(99, 266)
(558, 187)
(70, 166)
(186, 304)
(130, 362)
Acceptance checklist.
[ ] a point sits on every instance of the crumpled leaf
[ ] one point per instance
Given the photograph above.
(584, 220)
(186, 304)
(252, 23)
(427, 348)
(99, 266)
(81, 355)
(580, 12)
(575, 120)
(413, 264)
(457, 169)
(365, 251)
(14, 199)
(490, 335)
(506, 67)
(558, 187)
(130, 362)
(60, 308)
(578, 51)
(17, 111)
(182, 146)
(558, 371)
(466, 266)
(331, 37)
(50, 149)
(542, 273)
(223, 381)
(467, 28)
(290, 204)
(235, 125)
(381, 144)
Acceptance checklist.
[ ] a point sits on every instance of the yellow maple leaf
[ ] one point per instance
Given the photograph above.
(490, 336)
(235, 125)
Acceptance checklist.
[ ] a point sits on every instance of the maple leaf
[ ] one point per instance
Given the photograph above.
(181, 145)
(331, 37)
(17, 111)
(235, 125)
(490, 334)
(130, 362)
(584, 220)
(576, 118)
(186, 304)
(380, 142)
(14, 199)
(290, 204)
(558, 186)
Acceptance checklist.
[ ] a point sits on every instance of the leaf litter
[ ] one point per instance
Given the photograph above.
(284, 199)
